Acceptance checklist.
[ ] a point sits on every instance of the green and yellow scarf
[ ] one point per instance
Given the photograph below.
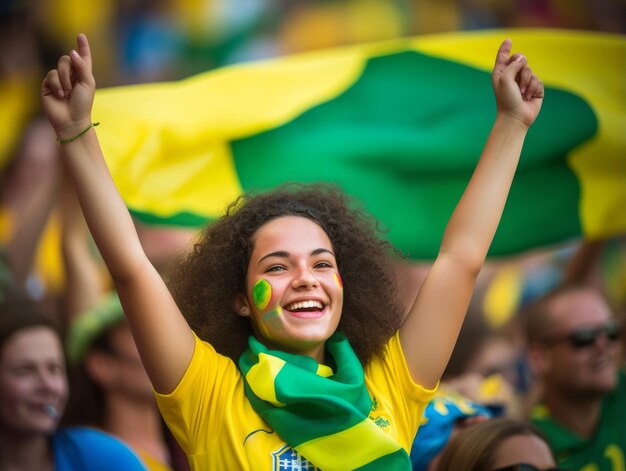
(321, 414)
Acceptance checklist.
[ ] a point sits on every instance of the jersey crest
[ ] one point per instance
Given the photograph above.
(288, 459)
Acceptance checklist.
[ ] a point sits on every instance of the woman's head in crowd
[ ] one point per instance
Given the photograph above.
(497, 444)
(33, 382)
(103, 362)
(280, 260)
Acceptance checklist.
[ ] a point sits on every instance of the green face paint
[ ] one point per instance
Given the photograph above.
(261, 293)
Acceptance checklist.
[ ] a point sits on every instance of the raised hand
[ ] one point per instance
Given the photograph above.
(67, 92)
(519, 92)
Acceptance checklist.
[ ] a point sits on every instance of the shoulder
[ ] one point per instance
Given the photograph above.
(207, 369)
(88, 448)
(389, 370)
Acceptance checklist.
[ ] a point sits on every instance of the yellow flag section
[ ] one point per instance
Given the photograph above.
(168, 145)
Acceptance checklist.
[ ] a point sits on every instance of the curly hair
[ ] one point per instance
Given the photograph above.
(207, 283)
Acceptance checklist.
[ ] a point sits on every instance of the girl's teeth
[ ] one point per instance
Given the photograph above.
(305, 305)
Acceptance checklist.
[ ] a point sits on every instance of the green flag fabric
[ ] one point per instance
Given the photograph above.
(398, 125)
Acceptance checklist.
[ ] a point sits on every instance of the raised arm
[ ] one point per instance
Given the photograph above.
(161, 333)
(31, 194)
(430, 331)
(84, 283)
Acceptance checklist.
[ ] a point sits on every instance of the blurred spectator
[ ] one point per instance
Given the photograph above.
(28, 196)
(33, 395)
(574, 350)
(446, 414)
(110, 388)
(497, 445)
(28, 162)
(485, 366)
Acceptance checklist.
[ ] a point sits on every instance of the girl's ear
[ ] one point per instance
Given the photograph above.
(241, 306)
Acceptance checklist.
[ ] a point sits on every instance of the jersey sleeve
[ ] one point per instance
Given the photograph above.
(398, 403)
(194, 410)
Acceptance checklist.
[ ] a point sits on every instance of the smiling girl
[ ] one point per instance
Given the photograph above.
(282, 344)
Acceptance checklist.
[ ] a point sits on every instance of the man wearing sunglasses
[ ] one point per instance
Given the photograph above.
(574, 350)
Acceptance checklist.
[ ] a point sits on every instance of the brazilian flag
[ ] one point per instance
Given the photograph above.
(398, 125)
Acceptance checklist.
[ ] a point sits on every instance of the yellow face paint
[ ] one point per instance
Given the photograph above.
(261, 293)
(338, 280)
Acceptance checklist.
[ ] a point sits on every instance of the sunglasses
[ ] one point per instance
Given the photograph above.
(527, 467)
(587, 336)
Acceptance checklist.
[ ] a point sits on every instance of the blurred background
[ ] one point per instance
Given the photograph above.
(140, 41)
(155, 40)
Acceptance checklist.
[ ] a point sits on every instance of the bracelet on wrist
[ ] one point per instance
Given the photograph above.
(70, 139)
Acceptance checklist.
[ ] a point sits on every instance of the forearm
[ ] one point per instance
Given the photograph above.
(106, 214)
(31, 215)
(83, 276)
(444, 297)
(472, 226)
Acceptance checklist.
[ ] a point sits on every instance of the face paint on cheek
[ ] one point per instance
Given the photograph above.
(261, 294)
(262, 297)
(338, 281)
(271, 321)
(273, 316)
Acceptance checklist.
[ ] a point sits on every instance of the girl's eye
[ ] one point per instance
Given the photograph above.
(323, 265)
(275, 268)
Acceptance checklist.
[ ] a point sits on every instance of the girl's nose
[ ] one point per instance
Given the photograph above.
(304, 278)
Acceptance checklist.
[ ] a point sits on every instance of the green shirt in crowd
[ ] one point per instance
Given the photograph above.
(605, 451)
